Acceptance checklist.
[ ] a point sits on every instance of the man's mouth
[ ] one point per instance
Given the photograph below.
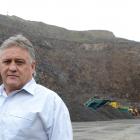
(13, 76)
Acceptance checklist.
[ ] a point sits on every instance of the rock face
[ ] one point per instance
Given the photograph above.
(81, 64)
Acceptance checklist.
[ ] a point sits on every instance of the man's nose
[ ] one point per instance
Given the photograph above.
(12, 67)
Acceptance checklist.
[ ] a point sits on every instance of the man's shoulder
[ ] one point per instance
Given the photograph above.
(42, 90)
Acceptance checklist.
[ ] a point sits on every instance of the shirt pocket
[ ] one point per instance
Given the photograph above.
(19, 120)
(29, 116)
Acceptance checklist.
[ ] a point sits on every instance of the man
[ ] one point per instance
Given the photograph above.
(28, 111)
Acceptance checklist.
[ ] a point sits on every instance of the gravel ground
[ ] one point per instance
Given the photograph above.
(107, 130)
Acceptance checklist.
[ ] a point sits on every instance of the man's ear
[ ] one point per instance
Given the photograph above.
(33, 65)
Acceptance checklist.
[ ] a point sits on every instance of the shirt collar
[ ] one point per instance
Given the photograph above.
(1, 89)
(28, 87)
(2, 92)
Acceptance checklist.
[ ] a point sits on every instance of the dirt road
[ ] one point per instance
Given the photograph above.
(107, 130)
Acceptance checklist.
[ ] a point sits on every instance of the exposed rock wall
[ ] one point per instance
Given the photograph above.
(80, 65)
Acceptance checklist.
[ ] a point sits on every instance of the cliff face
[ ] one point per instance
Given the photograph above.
(81, 64)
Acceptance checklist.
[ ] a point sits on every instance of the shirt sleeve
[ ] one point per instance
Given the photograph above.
(56, 120)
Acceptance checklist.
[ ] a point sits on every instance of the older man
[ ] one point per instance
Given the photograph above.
(28, 111)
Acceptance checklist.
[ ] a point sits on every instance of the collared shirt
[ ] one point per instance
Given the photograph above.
(33, 113)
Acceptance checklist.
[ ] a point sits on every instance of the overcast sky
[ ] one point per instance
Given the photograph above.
(122, 17)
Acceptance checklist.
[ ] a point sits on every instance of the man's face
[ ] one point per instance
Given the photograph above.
(16, 68)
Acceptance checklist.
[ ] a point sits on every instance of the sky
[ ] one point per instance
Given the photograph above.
(122, 17)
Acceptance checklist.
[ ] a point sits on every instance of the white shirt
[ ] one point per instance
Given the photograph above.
(33, 113)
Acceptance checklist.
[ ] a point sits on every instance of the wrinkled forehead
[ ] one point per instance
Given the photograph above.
(14, 52)
(30, 50)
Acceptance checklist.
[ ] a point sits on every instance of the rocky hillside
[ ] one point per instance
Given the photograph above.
(81, 64)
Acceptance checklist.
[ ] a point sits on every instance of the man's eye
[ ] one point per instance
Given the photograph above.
(19, 62)
(6, 62)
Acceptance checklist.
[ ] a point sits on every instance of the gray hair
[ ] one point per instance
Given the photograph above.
(19, 41)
